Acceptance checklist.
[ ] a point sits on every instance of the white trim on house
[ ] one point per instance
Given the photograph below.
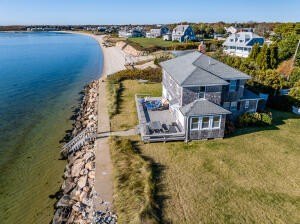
(200, 122)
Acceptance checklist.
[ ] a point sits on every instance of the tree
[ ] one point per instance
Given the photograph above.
(295, 76)
(274, 56)
(295, 93)
(287, 47)
(263, 58)
(255, 51)
(219, 30)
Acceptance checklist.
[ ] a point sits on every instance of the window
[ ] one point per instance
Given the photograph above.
(247, 104)
(233, 106)
(232, 86)
(201, 93)
(238, 105)
(205, 123)
(195, 123)
(226, 105)
(216, 122)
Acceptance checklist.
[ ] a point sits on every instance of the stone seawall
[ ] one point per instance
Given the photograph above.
(78, 197)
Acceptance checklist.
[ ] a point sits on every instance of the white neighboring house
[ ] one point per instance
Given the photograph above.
(231, 29)
(167, 36)
(135, 32)
(240, 44)
(234, 29)
(158, 32)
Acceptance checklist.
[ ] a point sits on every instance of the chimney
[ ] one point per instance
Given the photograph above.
(202, 47)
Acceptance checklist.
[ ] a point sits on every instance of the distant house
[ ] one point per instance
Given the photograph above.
(201, 93)
(131, 33)
(183, 33)
(167, 36)
(231, 29)
(219, 36)
(234, 29)
(158, 32)
(240, 44)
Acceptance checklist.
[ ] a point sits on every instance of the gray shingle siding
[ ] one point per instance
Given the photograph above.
(190, 94)
(241, 108)
(233, 96)
(207, 134)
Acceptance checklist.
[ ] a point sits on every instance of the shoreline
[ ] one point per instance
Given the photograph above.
(87, 198)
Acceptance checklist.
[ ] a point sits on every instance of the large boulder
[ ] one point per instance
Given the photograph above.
(82, 182)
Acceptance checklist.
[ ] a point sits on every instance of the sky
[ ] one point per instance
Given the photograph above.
(63, 12)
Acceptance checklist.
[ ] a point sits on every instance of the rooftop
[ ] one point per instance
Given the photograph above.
(196, 68)
(241, 39)
(202, 107)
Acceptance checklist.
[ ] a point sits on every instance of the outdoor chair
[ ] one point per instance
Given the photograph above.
(165, 128)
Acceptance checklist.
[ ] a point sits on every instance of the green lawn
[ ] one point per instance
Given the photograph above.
(127, 117)
(251, 177)
(152, 42)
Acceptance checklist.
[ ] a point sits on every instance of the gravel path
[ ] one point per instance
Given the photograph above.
(114, 60)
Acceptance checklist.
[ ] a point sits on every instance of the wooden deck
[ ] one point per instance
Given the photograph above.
(165, 117)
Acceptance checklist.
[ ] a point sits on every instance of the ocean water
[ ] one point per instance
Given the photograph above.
(41, 75)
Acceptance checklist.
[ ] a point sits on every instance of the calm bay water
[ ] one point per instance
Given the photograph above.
(41, 75)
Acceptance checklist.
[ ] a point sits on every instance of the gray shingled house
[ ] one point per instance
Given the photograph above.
(200, 93)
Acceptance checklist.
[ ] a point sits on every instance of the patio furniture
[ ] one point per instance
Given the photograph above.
(156, 126)
(165, 128)
(172, 129)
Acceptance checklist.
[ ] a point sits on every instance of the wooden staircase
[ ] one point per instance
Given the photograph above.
(88, 134)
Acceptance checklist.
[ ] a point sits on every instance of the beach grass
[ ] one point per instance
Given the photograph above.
(133, 194)
(250, 177)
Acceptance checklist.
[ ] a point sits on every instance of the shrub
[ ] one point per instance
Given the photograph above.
(295, 94)
(295, 76)
(151, 74)
(255, 119)
(229, 127)
(160, 59)
(282, 103)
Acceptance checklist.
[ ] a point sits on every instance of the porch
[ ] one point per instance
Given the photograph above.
(156, 122)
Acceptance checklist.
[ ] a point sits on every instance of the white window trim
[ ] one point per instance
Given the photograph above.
(247, 104)
(191, 124)
(220, 116)
(210, 124)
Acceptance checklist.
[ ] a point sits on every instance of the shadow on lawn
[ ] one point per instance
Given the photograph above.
(159, 188)
(279, 118)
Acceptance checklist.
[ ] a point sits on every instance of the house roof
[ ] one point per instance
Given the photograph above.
(196, 68)
(243, 39)
(248, 95)
(180, 29)
(202, 107)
